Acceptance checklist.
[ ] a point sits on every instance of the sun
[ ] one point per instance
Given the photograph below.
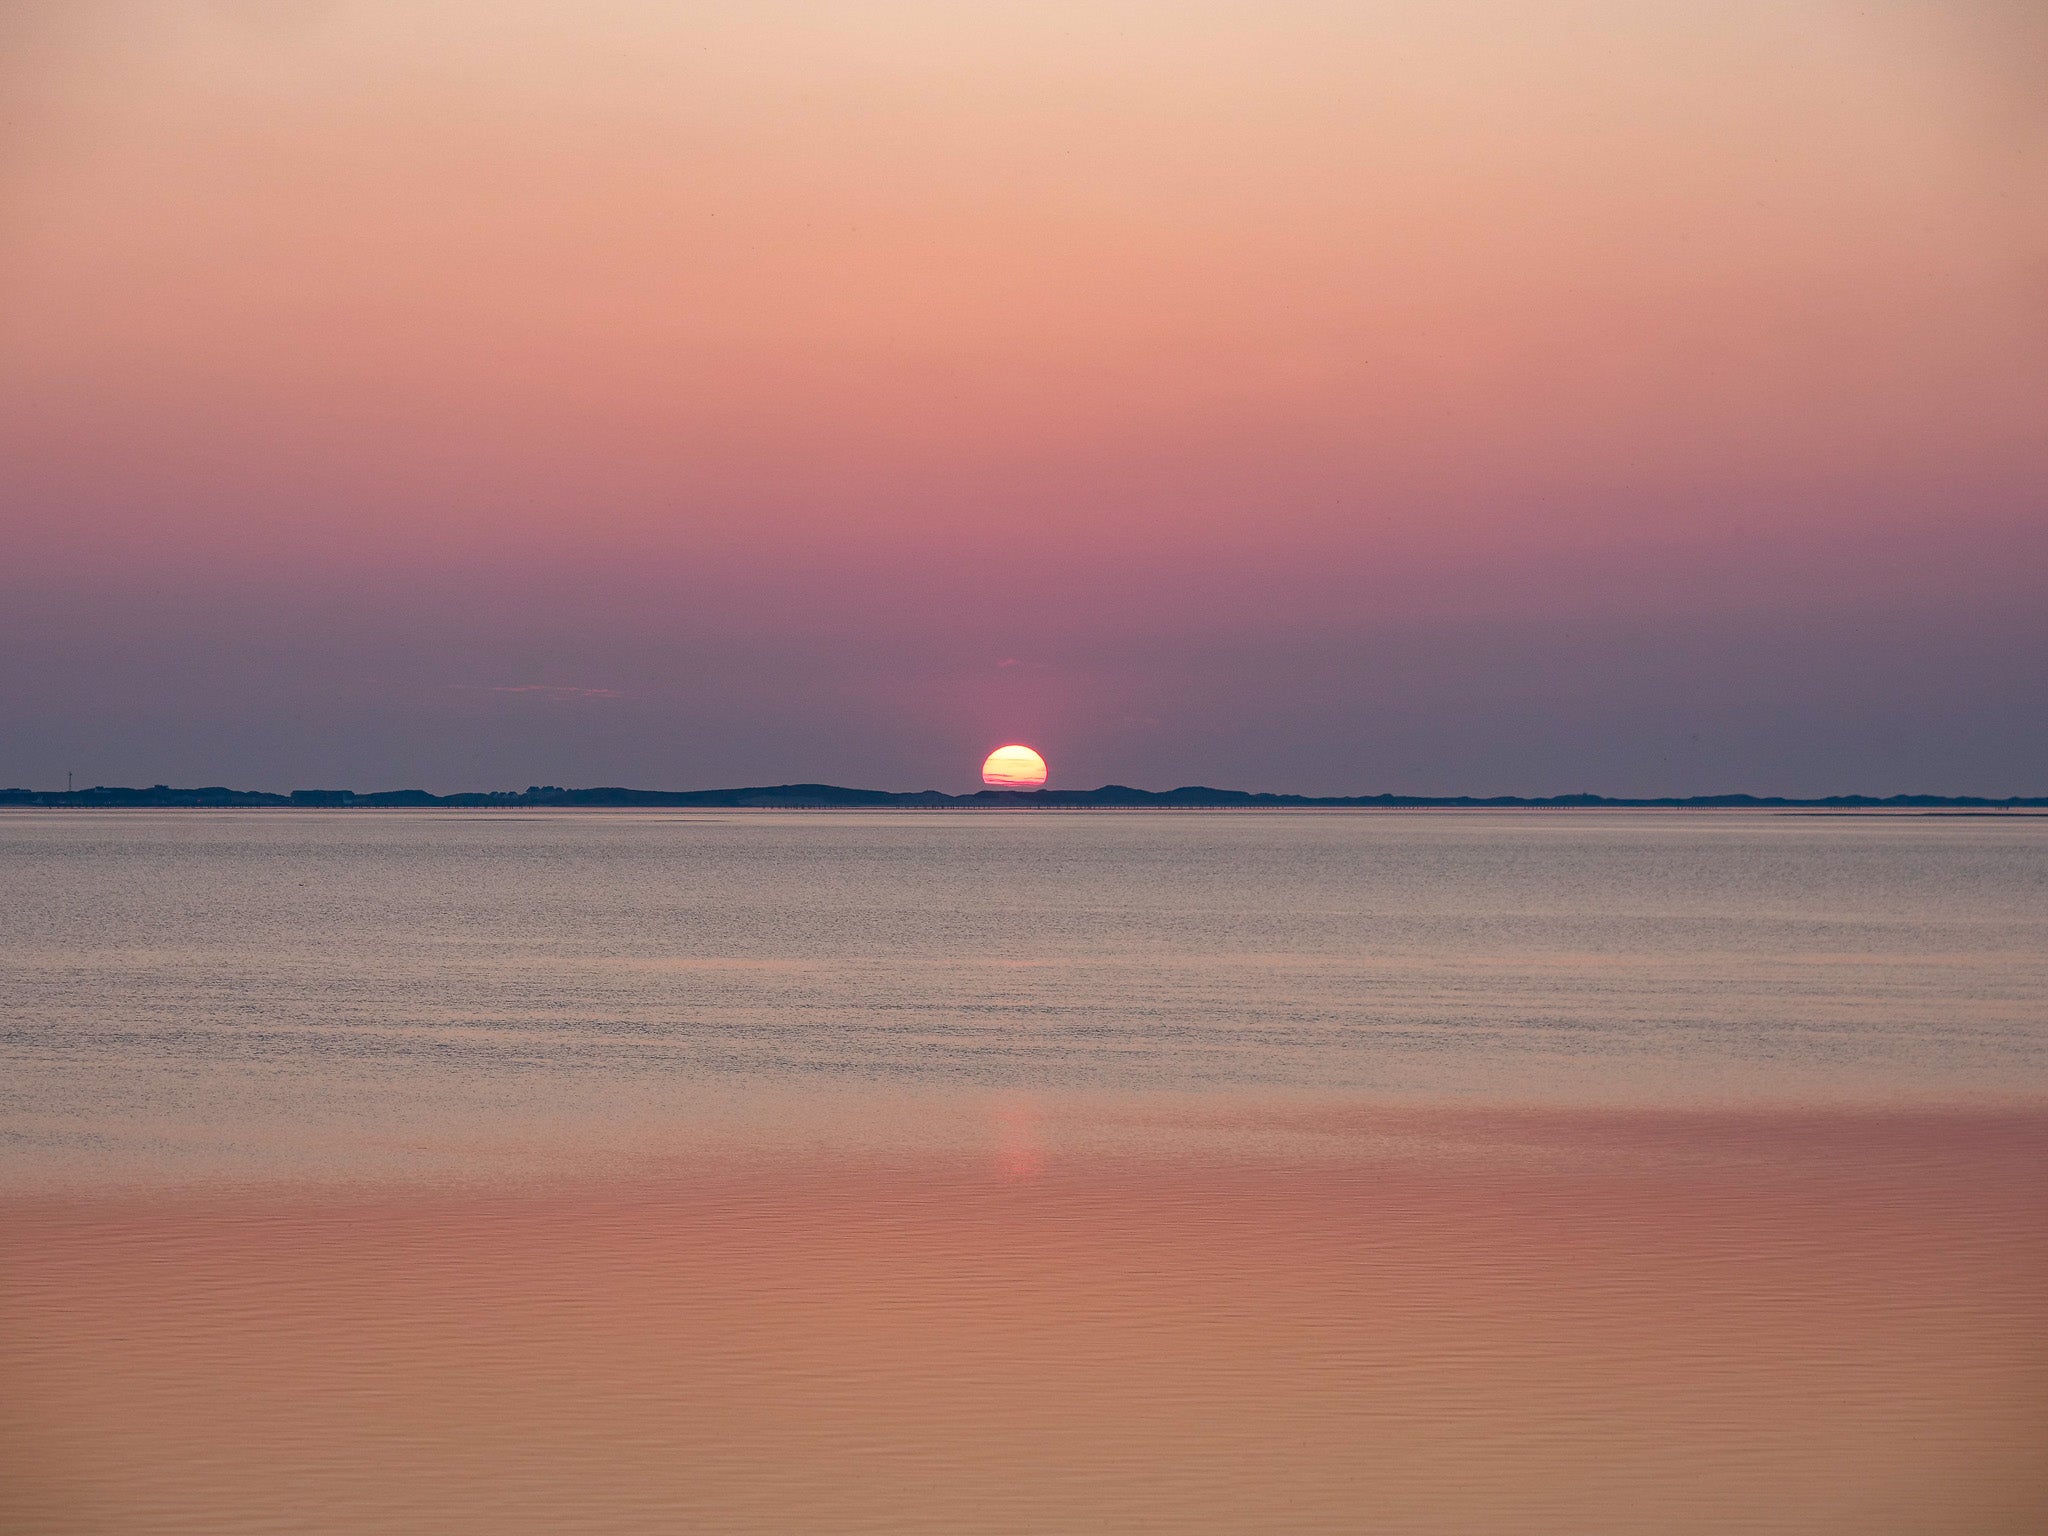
(1013, 767)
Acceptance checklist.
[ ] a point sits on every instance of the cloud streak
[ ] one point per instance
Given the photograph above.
(546, 690)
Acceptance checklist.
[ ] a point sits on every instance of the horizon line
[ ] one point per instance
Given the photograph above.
(832, 796)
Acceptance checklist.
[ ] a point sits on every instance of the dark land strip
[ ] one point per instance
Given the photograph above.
(835, 797)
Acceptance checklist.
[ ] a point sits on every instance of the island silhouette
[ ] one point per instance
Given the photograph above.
(834, 796)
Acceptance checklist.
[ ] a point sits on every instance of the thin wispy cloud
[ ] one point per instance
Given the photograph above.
(543, 690)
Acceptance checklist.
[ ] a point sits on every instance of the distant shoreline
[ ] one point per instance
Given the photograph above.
(836, 797)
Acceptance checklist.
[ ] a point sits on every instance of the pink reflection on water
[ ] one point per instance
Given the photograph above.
(1020, 1137)
(1354, 1317)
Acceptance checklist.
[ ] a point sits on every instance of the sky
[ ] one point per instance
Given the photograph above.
(1431, 396)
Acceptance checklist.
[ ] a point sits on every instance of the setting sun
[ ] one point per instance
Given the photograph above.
(1013, 767)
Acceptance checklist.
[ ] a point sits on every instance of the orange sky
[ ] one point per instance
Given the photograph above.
(957, 328)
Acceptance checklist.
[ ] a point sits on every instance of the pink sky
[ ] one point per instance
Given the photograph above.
(1486, 396)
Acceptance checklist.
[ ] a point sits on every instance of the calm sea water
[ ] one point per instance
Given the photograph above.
(518, 1172)
(224, 988)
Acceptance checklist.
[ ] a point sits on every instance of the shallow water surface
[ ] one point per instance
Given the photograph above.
(250, 990)
(785, 1172)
